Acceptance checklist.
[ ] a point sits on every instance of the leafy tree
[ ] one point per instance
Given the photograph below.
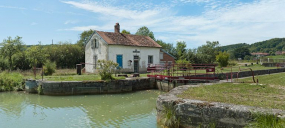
(21, 61)
(207, 53)
(35, 55)
(181, 50)
(145, 32)
(64, 54)
(10, 48)
(169, 48)
(84, 36)
(192, 56)
(223, 59)
(241, 52)
(49, 67)
(3, 63)
(247, 57)
(106, 68)
(125, 32)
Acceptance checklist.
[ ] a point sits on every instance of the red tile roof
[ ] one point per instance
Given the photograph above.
(258, 53)
(128, 39)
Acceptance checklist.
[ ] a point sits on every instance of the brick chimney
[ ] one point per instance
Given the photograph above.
(117, 28)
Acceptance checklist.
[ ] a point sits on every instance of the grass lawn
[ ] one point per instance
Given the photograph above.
(270, 93)
(76, 78)
(276, 57)
(243, 68)
(64, 75)
(236, 68)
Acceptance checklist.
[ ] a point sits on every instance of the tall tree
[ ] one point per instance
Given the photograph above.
(84, 36)
(181, 50)
(36, 55)
(125, 32)
(168, 47)
(145, 32)
(241, 52)
(10, 48)
(207, 53)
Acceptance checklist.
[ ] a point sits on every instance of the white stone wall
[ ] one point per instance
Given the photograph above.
(127, 52)
(100, 52)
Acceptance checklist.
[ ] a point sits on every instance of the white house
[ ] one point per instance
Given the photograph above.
(133, 53)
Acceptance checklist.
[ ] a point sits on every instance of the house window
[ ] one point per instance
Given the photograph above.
(150, 59)
(93, 44)
(96, 43)
(161, 55)
(95, 62)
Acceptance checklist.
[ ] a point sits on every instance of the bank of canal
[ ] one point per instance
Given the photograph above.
(136, 109)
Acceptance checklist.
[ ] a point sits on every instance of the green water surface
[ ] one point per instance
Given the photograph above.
(130, 110)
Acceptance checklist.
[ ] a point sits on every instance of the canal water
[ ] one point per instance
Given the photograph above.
(130, 110)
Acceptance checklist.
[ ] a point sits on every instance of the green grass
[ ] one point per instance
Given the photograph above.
(276, 57)
(236, 68)
(266, 121)
(270, 93)
(76, 78)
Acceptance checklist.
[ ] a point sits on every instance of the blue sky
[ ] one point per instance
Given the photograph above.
(192, 21)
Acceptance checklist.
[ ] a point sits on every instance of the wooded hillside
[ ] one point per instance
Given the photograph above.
(267, 46)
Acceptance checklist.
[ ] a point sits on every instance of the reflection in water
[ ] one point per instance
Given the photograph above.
(114, 110)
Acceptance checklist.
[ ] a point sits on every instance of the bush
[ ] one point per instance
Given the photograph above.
(10, 81)
(223, 59)
(184, 61)
(106, 68)
(49, 68)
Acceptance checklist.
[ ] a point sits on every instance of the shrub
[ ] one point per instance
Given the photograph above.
(184, 61)
(49, 68)
(10, 81)
(223, 59)
(106, 68)
(169, 118)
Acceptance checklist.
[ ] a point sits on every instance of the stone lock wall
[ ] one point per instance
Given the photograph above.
(193, 113)
(92, 87)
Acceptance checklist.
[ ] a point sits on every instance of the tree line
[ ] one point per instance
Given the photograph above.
(16, 55)
(268, 46)
(205, 54)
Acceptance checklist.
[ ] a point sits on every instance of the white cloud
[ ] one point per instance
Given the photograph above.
(12, 7)
(70, 22)
(227, 22)
(114, 11)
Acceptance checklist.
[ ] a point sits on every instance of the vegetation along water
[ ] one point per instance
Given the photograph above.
(18, 109)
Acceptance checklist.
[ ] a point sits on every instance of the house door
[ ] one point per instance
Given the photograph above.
(120, 60)
(136, 66)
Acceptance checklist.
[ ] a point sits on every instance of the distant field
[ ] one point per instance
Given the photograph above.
(269, 93)
(275, 57)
